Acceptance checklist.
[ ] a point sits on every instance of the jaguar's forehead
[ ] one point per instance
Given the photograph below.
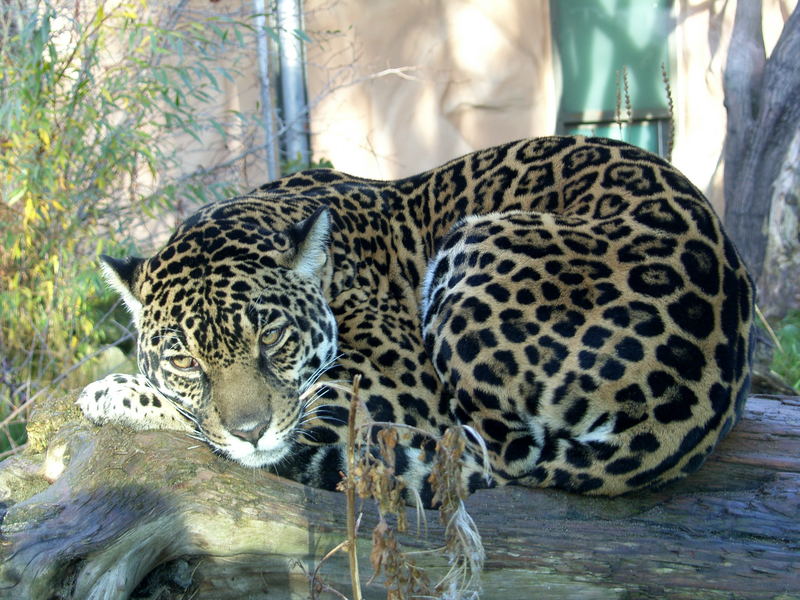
(218, 241)
(224, 276)
(231, 260)
(236, 289)
(196, 316)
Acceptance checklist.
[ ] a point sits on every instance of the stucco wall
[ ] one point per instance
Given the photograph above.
(431, 80)
(399, 87)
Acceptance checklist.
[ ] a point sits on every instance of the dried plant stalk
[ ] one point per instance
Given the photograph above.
(350, 492)
(618, 105)
(463, 545)
(671, 110)
(371, 475)
(628, 103)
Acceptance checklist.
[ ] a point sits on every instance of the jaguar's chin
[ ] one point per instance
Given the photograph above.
(256, 458)
(269, 449)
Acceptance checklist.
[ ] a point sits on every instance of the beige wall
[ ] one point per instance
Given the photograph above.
(403, 86)
(432, 80)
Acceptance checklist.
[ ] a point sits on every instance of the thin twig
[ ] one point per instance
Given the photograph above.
(315, 579)
(352, 549)
(768, 327)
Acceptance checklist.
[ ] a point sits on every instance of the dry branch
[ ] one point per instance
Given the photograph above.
(91, 512)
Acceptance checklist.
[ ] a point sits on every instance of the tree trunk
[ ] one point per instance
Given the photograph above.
(780, 278)
(761, 97)
(101, 512)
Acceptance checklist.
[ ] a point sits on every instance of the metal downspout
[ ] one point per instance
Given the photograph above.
(293, 92)
(262, 46)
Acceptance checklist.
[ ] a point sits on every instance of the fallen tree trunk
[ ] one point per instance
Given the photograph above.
(108, 513)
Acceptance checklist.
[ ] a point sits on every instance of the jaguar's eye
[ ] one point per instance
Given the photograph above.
(184, 363)
(272, 336)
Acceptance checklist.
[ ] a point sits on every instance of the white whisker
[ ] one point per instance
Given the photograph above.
(317, 395)
(309, 435)
(318, 410)
(185, 413)
(314, 377)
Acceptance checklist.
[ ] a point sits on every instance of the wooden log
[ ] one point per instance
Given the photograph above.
(105, 512)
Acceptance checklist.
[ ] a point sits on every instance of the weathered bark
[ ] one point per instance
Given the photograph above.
(780, 278)
(761, 97)
(93, 511)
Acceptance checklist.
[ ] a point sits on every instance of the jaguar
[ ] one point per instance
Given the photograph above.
(573, 302)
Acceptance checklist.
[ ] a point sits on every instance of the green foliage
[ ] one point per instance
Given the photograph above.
(299, 164)
(786, 362)
(87, 100)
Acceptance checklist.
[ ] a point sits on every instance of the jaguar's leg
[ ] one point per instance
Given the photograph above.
(130, 400)
(506, 341)
(413, 462)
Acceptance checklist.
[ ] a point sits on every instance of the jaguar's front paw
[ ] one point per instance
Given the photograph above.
(129, 400)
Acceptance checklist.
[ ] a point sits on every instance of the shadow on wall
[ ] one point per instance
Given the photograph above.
(436, 82)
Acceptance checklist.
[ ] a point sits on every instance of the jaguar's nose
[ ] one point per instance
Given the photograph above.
(251, 434)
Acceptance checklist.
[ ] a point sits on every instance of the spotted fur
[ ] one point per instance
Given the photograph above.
(574, 301)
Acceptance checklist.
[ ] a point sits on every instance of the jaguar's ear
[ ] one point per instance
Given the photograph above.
(121, 274)
(310, 237)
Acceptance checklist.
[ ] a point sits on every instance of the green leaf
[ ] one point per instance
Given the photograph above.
(239, 36)
(15, 196)
(301, 35)
(272, 34)
(226, 74)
